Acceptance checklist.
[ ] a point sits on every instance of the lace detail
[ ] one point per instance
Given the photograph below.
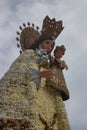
(43, 57)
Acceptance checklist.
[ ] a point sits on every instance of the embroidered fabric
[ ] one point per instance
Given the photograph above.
(43, 57)
(43, 60)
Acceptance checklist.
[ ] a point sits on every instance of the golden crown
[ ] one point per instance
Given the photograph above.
(51, 28)
(29, 34)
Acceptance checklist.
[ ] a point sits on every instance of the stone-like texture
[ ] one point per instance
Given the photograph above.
(19, 98)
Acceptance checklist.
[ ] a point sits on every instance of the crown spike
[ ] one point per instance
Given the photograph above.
(37, 27)
(24, 24)
(20, 27)
(32, 25)
(20, 51)
(28, 24)
(18, 33)
(18, 45)
(17, 39)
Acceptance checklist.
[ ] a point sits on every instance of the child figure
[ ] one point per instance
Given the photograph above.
(58, 65)
(58, 53)
(58, 83)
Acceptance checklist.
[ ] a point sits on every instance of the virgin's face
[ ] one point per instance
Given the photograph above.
(47, 45)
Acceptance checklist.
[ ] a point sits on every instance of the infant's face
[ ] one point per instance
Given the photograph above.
(58, 54)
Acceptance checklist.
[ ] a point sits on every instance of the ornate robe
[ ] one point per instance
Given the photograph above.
(22, 107)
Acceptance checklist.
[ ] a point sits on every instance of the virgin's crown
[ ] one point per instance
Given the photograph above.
(29, 34)
(51, 27)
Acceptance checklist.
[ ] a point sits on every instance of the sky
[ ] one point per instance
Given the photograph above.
(73, 14)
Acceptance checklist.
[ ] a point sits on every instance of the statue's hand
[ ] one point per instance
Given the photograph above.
(63, 65)
(47, 74)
